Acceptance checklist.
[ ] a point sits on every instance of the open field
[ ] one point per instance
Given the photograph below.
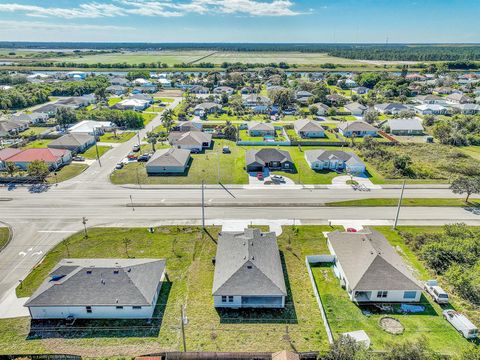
(188, 252)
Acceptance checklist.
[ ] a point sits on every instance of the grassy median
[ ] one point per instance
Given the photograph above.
(426, 202)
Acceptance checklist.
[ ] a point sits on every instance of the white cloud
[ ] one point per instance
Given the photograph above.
(165, 8)
(38, 25)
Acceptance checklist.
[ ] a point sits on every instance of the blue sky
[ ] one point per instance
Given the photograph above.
(241, 20)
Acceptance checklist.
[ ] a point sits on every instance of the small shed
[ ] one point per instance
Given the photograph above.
(360, 337)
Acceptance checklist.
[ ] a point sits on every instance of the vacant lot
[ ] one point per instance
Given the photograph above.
(119, 138)
(188, 252)
(91, 153)
(66, 173)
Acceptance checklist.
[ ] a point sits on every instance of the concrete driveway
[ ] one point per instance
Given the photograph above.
(268, 181)
(340, 182)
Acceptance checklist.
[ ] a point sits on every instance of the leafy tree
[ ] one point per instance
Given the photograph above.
(409, 350)
(167, 119)
(230, 131)
(65, 117)
(466, 185)
(10, 168)
(138, 74)
(402, 163)
(38, 169)
(370, 116)
(152, 139)
(283, 98)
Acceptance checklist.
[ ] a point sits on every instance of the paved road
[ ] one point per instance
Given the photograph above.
(40, 221)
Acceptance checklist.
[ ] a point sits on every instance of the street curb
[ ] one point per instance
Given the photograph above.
(223, 204)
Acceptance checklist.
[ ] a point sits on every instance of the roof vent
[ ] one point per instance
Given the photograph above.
(115, 271)
(89, 272)
(253, 257)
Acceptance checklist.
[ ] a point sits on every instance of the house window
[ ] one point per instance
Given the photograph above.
(89, 309)
(136, 307)
(230, 299)
(119, 307)
(409, 294)
(382, 294)
(224, 299)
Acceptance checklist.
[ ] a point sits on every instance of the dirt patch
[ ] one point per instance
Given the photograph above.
(391, 325)
(168, 93)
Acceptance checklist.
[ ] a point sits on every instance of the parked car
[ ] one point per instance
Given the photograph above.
(136, 148)
(195, 151)
(143, 158)
(132, 156)
(461, 323)
(119, 166)
(260, 176)
(436, 292)
(226, 150)
(352, 230)
(78, 158)
(278, 178)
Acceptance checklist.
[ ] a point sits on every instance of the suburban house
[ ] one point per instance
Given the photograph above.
(120, 81)
(334, 160)
(412, 126)
(223, 90)
(54, 158)
(468, 109)
(357, 128)
(99, 289)
(246, 90)
(132, 104)
(116, 89)
(306, 128)
(33, 118)
(261, 129)
(347, 83)
(198, 89)
(390, 108)
(186, 126)
(431, 109)
(76, 142)
(336, 99)
(356, 109)
(361, 90)
(77, 102)
(143, 97)
(165, 83)
(458, 98)
(256, 100)
(429, 99)
(206, 108)
(248, 271)
(302, 96)
(370, 269)
(168, 161)
(95, 128)
(12, 127)
(5, 154)
(191, 140)
(322, 109)
(268, 158)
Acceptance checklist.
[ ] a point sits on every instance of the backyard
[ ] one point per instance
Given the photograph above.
(188, 252)
(344, 316)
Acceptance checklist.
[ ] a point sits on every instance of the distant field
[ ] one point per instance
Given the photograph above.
(177, 57)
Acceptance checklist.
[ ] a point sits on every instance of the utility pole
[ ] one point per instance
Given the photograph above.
(96, 146)
(203, 204)
(138, 137)
(131, 202)
(399, 205)
(218, 167)
(182, 324)
(84, 222)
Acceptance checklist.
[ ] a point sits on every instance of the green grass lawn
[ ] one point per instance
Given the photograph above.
(91, 153)
(155, 108)
(37, 144)
(35, 130)
(405, 202)
(147, 118)
(244, 136)
(189, 253)
(344, 316)
(113, 100)
(329, 137)
(164, 99)
(120, 138)
(4, 235)
(66, 173)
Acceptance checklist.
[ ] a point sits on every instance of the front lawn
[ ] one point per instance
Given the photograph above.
(4, 236)
(120, 138)
(66, 173)
(35, 130)
(164, 99)
(91, 153)
(188, 252)
(147, 118)
(113, 100)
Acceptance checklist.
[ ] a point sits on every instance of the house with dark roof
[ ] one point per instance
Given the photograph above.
(99, 289)
(198, 89)
(355, 108)
(390, 108)
(206, 108)
(268, 158)
(168, 161)
(334, 160)
(11, 127)
(370, 269)
(307, 129)
(75, 142)
(357, 128)
(248, 271)
(191, 140)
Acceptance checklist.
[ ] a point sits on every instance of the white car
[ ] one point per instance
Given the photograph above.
(461, 324)
(436, 292)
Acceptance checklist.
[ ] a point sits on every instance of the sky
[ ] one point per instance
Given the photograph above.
(314, 21)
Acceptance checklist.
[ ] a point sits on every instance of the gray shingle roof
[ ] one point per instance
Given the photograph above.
(196, 138)
(90, 282)
(267, 155)
(169, 157)
(405, 124)
(370, 262)
(307, 125)
(260, 126)
(248, 263)
(326, 155)
(76, 139)
(356, 126)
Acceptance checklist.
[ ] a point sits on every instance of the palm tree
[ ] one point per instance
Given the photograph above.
(167, 119)
(152, 139)
(10, 168)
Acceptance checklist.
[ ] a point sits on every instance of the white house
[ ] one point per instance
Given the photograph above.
(370, 269)
(190, 140)
(431, 109)
(334, 160)
(91, 127)
(411, 126)
(99, 289)
(248, 271)
(356, 109)
(306, 128)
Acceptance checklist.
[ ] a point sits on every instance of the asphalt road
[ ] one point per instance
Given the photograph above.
(40, 221)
